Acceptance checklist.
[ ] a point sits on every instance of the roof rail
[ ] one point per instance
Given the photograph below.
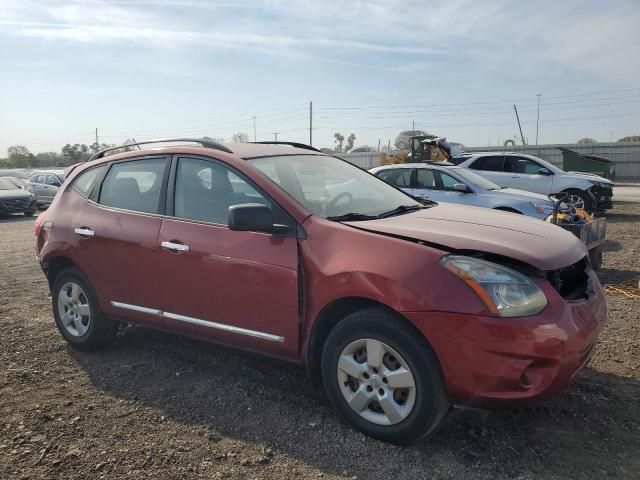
(292, 144)
(202, 141)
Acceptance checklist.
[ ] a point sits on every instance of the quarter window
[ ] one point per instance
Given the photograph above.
(491, 164)
(205, 190)
(134, 185)
(86, 181)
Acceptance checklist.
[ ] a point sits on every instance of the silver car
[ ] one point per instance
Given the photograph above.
(517, 170)
(45, 184)
(458, 185)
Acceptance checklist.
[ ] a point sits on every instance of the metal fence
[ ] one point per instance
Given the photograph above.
(625, 155)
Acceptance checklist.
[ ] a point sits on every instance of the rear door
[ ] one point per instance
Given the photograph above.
(425, 185)
(525, 175)
(235, 287)
(116, 234)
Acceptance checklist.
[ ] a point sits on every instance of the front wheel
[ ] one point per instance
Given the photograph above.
(383, 378)
(578, 199)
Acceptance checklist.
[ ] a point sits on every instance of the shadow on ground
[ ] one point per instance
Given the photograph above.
(591, 430)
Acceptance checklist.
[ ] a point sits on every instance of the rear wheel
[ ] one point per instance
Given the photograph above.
(383, 378)
(77, 314)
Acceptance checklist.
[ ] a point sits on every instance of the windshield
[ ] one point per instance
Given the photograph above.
(6, 184)
(331, 187)
(476, 179)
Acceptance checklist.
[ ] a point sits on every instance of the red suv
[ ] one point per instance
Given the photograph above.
(400, 309)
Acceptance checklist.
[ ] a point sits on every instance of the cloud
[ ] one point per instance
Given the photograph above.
(397, 35)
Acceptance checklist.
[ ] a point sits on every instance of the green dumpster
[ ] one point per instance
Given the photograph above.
(573, 161)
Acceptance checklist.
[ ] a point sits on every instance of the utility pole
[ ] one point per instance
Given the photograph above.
(276, 135)
(311, 124)
(254, 129)
(519, 126)
(413, 124)
(538, 119)
(97, 144)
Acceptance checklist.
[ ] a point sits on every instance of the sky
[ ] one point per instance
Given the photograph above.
(164, 68)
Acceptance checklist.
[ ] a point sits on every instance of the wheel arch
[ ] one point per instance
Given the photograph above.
(57, 265)
(328, 318)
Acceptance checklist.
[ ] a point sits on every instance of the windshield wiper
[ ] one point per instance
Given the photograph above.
(401, 209)
(352, 217)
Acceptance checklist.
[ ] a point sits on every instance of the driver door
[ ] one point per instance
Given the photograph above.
(235, 287)
(525, 175)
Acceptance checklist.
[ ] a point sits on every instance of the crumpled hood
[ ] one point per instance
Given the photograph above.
(591, 176)
(538, 243)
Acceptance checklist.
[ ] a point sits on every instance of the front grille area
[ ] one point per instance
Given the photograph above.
(17, 205)
(570, 282)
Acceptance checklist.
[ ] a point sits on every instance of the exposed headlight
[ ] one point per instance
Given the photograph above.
(505, 292)
(542, 208)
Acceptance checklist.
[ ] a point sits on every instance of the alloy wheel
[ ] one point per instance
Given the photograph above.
(376, 382)
(74, 309)
(575, 201)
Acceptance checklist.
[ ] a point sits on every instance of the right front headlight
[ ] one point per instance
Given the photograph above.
(505, 292)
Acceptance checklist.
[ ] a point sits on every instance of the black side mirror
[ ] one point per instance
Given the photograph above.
(250, 217)
(544, 171)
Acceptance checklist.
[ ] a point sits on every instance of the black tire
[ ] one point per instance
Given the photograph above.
(29, 213)
(101, 330)
(431, 403)
(586, 199)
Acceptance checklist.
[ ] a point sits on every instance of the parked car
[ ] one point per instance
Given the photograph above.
(45, 185)
(458, 185)
(28, 186)
(16, 200)
(402, 140)
(526, 172)
(364, 149)
(400, 309)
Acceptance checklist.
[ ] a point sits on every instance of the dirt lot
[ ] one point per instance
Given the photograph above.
(159, 406)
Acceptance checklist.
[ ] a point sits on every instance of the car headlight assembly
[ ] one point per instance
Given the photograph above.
(505, 292)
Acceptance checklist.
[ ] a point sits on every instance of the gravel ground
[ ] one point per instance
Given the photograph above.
(159, 406)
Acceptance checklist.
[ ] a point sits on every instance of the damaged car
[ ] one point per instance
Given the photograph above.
(400, 310)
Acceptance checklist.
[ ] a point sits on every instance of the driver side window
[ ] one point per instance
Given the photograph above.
(447, 181)
(525, 166)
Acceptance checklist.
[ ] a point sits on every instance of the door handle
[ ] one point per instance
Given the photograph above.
(85, 232)
(515, 176)
(175, 247)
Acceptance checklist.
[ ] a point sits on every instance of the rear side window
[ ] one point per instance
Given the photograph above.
(134, 185)
(86, 181)
(425, 178)
(400, 177)
(491, 164)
